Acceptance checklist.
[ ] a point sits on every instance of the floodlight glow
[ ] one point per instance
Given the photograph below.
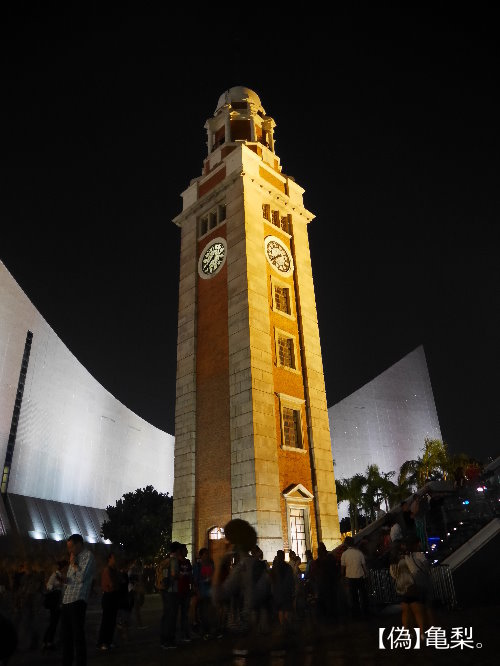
(36, 535)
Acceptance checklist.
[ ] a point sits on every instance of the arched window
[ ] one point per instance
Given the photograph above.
(216, 533)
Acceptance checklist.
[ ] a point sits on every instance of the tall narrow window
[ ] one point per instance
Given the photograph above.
(285, 351)
(282, 299)
(291, 427)
(266, 212)
(203, 226)
(276, 218)
(211, 219)
(284, 224)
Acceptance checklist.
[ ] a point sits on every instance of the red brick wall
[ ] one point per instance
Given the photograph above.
(213, 445)
(210, 183)
(294, 467)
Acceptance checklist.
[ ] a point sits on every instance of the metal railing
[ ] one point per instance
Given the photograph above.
(383, 589)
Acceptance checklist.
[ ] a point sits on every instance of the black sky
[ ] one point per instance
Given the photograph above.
(389, 119)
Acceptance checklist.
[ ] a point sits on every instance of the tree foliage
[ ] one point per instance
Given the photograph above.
(140, 522)
(366, 492)
(351, 490)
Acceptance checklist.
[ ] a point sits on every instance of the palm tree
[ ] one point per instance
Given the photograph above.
(435, 460)
(433, 464)
(405, 484)
(372, 495)
(387, 488)
(351, 490)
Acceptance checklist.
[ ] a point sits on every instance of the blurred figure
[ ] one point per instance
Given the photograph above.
(52, 602)
(8, 640)
(79, 577)
(110, 585)
(418, 510)
(27, 588)
(136, 590)
(324, 579)
(124, 605)
(184, 591)
(283, 588)
(170, 597)
(203, 573)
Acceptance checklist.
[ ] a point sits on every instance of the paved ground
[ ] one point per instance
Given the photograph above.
(309, 645)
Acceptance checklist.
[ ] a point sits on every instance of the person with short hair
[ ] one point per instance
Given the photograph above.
(354, 571)
(81, 571)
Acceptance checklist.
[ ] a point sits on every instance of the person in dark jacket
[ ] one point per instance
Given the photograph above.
(110, 584)
(283, 588)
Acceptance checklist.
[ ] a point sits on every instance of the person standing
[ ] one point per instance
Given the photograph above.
(283, 588)
(81, 571)
(185, 585)
(136, 591)
(203, 572)
(170, 598)
(110, 585)
(413, 584)
(52, 602)
(353, 569)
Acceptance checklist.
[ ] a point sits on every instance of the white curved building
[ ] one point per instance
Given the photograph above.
(386, 421)
(63, 436)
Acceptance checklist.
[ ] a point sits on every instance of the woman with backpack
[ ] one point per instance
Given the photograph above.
(413, 583)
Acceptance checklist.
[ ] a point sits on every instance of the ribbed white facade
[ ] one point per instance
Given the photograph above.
(75, 442)
(386, 421)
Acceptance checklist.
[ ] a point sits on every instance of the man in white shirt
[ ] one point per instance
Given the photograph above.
(354, 571)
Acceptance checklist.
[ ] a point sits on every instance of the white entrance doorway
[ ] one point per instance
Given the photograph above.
(298, 501)
(298, 541)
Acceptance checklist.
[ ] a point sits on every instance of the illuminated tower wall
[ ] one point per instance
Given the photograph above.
(252, 437)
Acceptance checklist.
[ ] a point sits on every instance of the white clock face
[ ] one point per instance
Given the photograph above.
(212, 258)
(278, 255)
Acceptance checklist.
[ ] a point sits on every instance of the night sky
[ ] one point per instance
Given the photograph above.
(388, 119)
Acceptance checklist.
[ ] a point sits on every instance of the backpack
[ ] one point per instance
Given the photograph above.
(162, 574)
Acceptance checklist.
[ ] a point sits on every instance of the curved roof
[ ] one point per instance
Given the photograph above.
(239, 94)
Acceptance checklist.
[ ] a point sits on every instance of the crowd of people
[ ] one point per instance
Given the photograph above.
(64, 592)
(241, 593)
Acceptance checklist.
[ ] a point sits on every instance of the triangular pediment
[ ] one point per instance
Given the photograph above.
(297, 492)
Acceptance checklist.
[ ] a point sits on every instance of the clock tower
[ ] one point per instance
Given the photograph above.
(252, 438)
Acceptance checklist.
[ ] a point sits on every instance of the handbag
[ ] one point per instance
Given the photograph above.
(404, 579)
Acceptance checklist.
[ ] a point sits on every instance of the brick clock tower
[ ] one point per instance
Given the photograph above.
(252, 438)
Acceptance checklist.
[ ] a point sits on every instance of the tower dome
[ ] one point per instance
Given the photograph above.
(239, 95)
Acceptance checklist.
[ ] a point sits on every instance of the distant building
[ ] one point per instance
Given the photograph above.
(64, 439)
(386, 421)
